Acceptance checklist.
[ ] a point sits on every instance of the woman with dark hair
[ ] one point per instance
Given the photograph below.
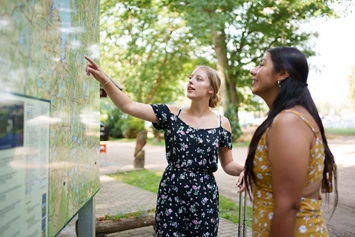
(195, 137)
(289, 161)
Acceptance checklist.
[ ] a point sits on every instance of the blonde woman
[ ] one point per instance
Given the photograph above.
(195, 137)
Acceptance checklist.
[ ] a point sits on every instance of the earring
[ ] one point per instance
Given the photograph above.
(279, 83)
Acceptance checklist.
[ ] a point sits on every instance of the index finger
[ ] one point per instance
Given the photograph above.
(90, 60)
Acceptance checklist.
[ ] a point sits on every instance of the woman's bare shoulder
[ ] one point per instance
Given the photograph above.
(173, 109)
(226, 124)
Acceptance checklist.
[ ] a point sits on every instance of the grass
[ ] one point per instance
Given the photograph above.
(241, 143)
(150, 141)
(149, 180)
(340, 131)
(229, 210)
(144, 179)
(119, 216)
(245, 138)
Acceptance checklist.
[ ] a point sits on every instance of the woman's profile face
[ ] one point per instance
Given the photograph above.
(264, 79)
(199, 84)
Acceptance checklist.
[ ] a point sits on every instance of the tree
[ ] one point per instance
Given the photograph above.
(241, 31)
(146, 48)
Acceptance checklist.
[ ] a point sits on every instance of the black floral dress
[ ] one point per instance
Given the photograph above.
(187, 202)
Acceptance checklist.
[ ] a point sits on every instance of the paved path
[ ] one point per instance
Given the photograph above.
(117, 197)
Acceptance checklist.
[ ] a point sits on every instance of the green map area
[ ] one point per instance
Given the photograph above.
(43, 43)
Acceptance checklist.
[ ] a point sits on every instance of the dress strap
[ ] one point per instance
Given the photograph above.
(220, 120)
(178, 113)
(304, 119)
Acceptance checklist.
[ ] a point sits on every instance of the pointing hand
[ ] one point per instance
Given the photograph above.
(93, 69)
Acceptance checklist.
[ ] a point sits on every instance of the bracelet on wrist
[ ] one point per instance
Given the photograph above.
(106, 82)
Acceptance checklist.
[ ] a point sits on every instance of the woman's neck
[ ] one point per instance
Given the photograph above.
(198, 109)
(269, 100)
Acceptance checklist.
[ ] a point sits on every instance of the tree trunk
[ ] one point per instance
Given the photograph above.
(139, 154)
(229, 91)
(112, 226)
(233, 94)
(222, 64)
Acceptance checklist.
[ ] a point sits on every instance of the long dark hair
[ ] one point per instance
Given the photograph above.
(293, 91)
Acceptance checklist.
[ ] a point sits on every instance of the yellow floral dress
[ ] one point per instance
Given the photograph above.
(310, 221)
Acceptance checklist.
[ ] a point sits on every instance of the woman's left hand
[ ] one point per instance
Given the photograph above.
(241, 183)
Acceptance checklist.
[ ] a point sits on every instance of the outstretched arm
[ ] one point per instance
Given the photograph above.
(121, 100)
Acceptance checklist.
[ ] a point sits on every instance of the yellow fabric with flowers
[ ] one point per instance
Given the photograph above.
(310, 221)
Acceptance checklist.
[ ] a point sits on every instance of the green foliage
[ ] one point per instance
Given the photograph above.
(132, 126)
(115, 122)
(340, 131)
(118, 123)
(150, 141)
(121, 125)
(234, 121)
(158, 136)
(149, 180)
(251, 26)
(123, 215)
(229, 210)
(145, 47)
(145, 179)
(241, 31)
(152, 46)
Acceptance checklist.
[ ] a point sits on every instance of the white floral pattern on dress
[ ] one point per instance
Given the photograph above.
(187, 202)
(309, 221)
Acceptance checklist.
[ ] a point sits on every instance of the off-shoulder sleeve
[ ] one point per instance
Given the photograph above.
(162, 112)
(225, 139)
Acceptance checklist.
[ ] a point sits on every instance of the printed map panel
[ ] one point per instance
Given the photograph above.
(43, 43)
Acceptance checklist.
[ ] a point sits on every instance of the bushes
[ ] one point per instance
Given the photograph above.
(122, 125)
(132, 126)
(114, 122)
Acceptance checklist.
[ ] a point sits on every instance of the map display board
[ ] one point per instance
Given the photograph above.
(24, 156)
(43, 43)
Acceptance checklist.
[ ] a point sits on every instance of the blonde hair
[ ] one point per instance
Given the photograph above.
(215, 82)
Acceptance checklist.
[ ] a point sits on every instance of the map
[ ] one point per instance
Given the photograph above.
(43, 43)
